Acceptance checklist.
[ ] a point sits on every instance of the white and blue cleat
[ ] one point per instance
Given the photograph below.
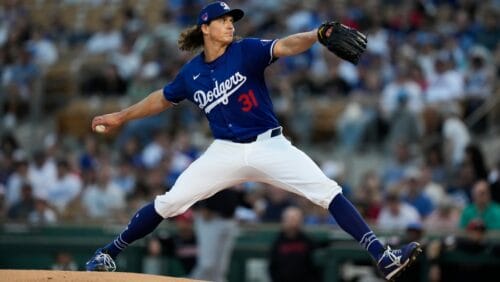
(394, 262)
(101, 261)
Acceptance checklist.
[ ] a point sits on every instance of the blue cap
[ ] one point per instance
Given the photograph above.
(216, 10)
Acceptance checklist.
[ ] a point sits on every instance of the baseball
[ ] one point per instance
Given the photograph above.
(100, 128)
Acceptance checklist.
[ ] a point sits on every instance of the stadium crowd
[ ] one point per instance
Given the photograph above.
(429, 66)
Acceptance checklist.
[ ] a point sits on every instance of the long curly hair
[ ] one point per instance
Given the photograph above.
(191, 39)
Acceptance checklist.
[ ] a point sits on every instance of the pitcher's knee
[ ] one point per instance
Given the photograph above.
(168, 206)
(327, 195)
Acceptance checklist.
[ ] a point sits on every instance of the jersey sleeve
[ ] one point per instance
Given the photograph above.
(259, 51)
(175, 91)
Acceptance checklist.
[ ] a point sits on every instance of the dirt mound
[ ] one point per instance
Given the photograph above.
(81, 276)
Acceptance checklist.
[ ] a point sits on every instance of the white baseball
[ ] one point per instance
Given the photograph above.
(100, 128)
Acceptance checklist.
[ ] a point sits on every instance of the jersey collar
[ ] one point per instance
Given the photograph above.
(217, 61)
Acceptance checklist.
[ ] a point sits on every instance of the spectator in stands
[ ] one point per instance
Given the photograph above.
(445, 217)
(433, 190)
(403, 86)
(276, 201)
(465, 28)
(395, 213)
(425, 41)
(65, 189)
(42, 172)
(89, 157)
(250, 202)
(144, 81)
(43, 214)
(22, 74)
(18, 81)
(126, 61)
(125, 177)
(167, 29)
(16, 181)
(131, 152)
(481, 208)
(434, 162)
(21, 209)
(371, 79)
(153, 152)
(460, 185)
(378, 36)
(291, 255)
(444, 85)
(396, 167)
(333, 75)
(458, 58)
(44, 51)
(182, 155)
(414, 193)
(102, 199)
(132, 22)
(351, 126)
(403, 123)
(106, 39)
(62, 35)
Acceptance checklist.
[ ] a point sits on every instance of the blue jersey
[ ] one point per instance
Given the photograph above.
(231, 90)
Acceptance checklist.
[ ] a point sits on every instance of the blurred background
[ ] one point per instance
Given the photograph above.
(411, 134)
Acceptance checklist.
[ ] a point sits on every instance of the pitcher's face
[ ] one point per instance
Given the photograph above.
(221, 29)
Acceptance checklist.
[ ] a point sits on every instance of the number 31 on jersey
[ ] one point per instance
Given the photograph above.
(248, 101)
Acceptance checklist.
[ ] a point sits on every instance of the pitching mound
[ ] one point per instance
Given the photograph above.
(81, 276)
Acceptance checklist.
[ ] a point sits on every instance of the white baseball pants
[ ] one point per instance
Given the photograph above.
(272, 160)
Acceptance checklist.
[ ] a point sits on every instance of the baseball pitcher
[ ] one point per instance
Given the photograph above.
(226, 81)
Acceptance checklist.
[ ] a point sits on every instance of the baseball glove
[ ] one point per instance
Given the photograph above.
(343, 41)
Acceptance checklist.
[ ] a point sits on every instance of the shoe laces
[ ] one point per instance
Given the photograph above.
(393, 255)
(108, 262)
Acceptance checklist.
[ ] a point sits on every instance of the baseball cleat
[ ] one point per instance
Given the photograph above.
(394, 262)
(101, 261)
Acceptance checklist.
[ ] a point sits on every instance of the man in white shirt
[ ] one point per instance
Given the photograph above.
(396, 214)
(66, 187)
(446, 85)
(105, 40)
